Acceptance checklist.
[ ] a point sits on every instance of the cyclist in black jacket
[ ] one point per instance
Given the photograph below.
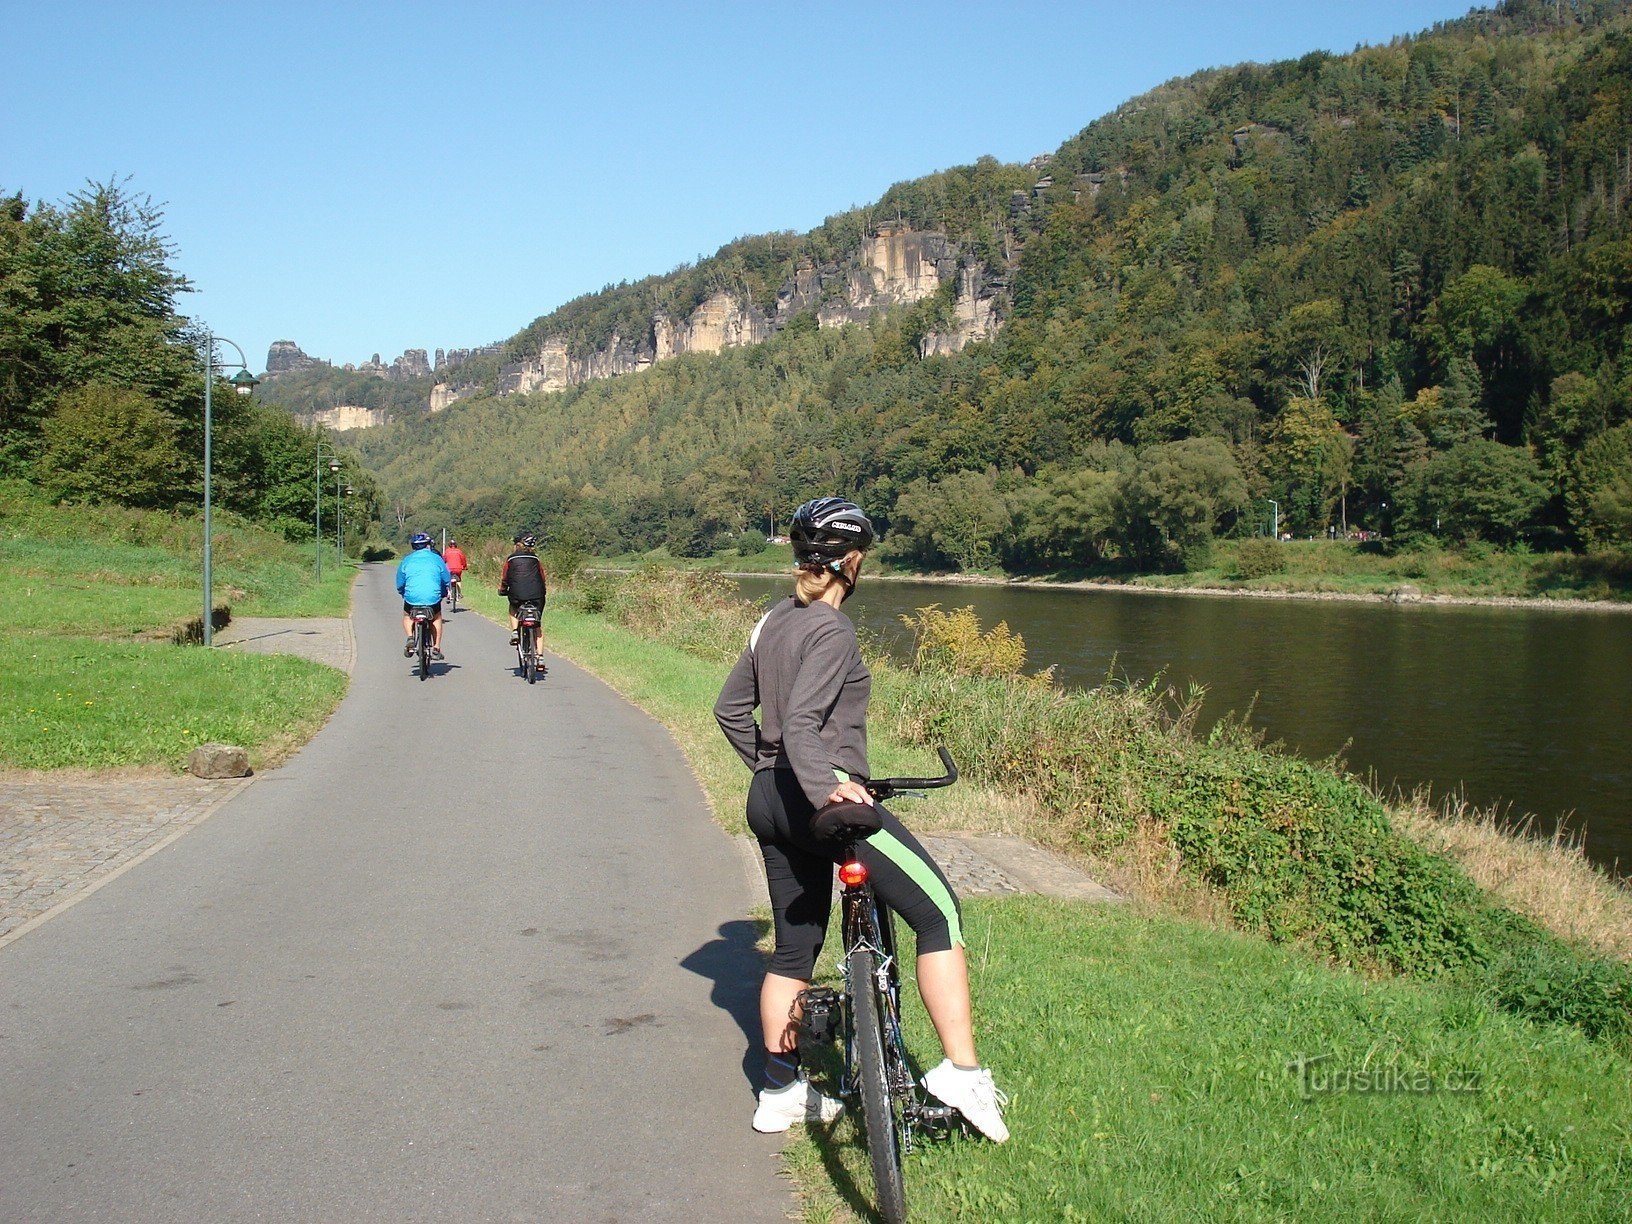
(522, 577)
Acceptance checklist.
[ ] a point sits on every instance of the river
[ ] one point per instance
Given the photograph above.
(1519, 707)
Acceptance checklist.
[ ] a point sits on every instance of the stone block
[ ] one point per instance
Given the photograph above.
(218, 761)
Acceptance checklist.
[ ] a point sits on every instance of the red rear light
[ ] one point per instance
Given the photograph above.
(853, 875)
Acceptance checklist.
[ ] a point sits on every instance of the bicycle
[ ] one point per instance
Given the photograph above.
(527, 659)
(893, 1106)
(453, 593)
(422, 639)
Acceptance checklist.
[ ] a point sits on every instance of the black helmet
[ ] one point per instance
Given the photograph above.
(525, 538)
(824, 529)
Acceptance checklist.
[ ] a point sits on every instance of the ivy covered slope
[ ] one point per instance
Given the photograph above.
(1390, 290)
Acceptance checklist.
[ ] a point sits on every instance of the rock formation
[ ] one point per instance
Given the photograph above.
(347, 416)
(895, 266)
(285, 356)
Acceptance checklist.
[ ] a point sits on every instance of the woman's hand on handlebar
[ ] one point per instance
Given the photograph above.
(850, 792)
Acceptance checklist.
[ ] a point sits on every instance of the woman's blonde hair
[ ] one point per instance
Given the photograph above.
(812, 579)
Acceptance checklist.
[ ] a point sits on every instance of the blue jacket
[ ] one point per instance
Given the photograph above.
(422, 578)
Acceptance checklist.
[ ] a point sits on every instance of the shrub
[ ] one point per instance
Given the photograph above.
(597, 594)
(378, 552)
(562, 560)
(106, 443)
(952, 641)
(750, 544)
(1257, 558)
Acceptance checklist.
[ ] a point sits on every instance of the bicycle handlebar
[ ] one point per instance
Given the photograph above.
(884, 788)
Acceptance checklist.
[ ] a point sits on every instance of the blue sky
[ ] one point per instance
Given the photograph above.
(364, 178)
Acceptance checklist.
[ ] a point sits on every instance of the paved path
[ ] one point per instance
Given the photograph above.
(476, 953)
(323, 639)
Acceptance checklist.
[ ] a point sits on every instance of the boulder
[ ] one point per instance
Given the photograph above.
(1405, 594)
(218, 761)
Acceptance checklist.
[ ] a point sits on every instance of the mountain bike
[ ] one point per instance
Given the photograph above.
(422, 639)
(867, 1011)
(527, 659)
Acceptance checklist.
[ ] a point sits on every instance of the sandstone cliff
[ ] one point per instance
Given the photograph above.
(348, 416)
(895, 266)
(285, 356)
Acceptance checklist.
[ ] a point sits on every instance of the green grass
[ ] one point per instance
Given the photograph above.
(1146, 1053)
(84, 703)
(95, 595)
(1146, 1062)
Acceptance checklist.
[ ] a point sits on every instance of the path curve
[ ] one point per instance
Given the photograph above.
(476, 952)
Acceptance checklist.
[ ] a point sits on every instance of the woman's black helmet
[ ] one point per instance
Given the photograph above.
(826, 528)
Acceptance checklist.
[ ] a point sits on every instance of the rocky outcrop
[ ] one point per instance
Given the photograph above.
(451, 359)
(285, 356)
(443, 394)
(895, 266)
(414, 363)
(348, 416)
(976, 313)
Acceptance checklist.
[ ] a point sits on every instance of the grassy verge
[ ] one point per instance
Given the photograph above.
(1146, 1058)
(1147, 1051)
(97, 593)
(80, 702)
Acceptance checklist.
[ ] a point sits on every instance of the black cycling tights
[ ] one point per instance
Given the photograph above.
(799, 870)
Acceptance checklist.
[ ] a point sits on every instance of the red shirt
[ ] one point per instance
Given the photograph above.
(454, 558)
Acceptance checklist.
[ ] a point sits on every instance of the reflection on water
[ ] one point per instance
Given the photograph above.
(1512, 705)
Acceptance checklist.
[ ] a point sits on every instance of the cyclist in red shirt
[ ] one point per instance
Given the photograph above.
(454, 559)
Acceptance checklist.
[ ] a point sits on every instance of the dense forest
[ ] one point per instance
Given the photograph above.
(1387, 290)
(102, 379)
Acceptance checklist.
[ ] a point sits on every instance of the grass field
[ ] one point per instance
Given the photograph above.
(96, 595)
(1147, 1063)
(1146, 1053)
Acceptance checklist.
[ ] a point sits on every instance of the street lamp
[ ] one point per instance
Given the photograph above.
(317, 513)
(340, 522)
(1276, 529)
(243, 383)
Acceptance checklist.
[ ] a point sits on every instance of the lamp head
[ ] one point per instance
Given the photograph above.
(244, 382)
(334, 465)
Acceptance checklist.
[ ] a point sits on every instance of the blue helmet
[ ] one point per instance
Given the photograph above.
(420, 540)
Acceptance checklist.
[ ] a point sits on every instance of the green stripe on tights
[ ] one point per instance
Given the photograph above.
(921, 874)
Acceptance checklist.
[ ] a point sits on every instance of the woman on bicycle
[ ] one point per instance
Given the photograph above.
(803, 670)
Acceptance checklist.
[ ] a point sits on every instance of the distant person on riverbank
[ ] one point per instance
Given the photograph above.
(422, 581)
(803, 671)
(522, 577)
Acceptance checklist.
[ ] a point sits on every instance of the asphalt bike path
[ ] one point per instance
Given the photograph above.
(476, 952)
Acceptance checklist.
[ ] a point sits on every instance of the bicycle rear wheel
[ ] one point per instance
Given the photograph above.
(882, 1113)
(424, 651)
(530, 644)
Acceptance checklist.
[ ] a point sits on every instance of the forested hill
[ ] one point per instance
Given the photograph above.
(1391, 288)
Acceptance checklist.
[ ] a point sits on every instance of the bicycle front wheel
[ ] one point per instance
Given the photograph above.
(882, 1113)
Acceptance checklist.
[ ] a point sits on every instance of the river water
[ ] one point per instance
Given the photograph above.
(1525, 708)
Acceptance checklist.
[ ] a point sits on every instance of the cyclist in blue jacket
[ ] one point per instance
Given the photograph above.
(422, 581)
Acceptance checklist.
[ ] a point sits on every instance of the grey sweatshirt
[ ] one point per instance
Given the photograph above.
(803, 669)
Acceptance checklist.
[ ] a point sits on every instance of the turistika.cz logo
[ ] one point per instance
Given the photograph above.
(1318, 1076)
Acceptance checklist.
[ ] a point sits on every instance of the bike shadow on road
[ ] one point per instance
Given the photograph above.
(735, 963)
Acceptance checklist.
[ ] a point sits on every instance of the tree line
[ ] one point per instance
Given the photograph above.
(102, 378)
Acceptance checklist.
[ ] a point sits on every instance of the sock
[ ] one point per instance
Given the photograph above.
(961, 1067)
(781, 1069)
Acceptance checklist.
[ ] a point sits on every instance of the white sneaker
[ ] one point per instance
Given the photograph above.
(972, 1094)
(797, 1102)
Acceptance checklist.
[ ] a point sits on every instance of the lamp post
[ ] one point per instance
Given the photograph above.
(1275, 531)
(243, 383)
(317, 512)
(340, 524)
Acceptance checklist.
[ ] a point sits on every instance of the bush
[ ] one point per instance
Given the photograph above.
(378, 552)
(598, 593)
(751, 544)
(1258, 558)
(1547, 981)
(106, 443)
(562, 560)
